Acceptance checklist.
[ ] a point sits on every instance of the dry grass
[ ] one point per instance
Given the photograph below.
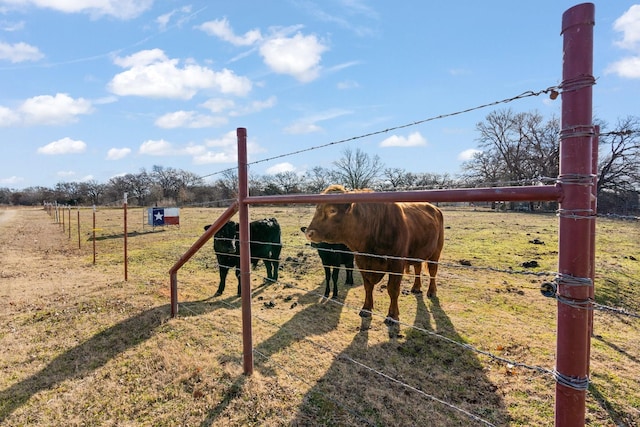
(79, 345)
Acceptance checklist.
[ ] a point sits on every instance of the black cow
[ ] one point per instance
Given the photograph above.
(265, 244)
(333, 255)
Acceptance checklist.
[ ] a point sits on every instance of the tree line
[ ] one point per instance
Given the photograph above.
(514, 149)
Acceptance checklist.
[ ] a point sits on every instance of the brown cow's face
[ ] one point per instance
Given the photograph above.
(327, 224)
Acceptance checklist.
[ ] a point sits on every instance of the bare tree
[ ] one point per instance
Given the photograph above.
(357, 169)
(289, 182)
(93, 191)
(619, 163)
(395, 178)
(619, 167)
(516, 147)
(317, 179)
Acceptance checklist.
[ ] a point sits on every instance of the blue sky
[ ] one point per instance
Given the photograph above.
(92, 89)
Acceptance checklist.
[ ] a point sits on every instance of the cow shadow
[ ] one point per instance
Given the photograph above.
(428, 365)
(328, 312)
(94, 353)
(315, 306)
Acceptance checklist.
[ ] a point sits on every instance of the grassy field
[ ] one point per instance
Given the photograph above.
(80, 346)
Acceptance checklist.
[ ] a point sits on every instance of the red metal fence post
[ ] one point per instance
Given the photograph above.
(576, 216)
(93, 231)
(126, 257)
(245, 272)
(79, 228)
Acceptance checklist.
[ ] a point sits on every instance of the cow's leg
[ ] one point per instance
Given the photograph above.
(275, 256)
(393, 316)
(268, 265)
(349, 269)
(327, 281)
(433, 270)
(334, 277)
(417, 283)
(369, 280)
(223, 279)
(239, 284)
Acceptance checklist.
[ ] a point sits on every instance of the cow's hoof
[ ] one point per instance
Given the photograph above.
(416, 291)
(334, 297)
(393, 326)
(217, 294)
(365, 313)
(431, 294)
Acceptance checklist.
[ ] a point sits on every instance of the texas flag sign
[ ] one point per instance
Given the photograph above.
(163, 216)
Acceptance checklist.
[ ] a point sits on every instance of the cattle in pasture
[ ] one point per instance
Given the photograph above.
(387, 238)
(265, 244)
(333, 255)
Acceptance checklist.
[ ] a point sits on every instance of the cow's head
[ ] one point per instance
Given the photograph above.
(328, 224)
(225, 239)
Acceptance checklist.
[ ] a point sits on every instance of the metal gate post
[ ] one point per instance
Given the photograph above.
(576, 216)
(245, 272)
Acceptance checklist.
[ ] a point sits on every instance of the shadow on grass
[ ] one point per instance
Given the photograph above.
(326, 312)
(92, 354)
(121, 235)
(618, 418)
(430, 365)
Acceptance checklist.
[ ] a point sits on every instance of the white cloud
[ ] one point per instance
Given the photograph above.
(12, 180)
(118, 153)
(122, 9)
(222, 29)
(348, 84)
(218, 105)
(224, 150)
(254, 107)
(413, 140)
(308, 124)
(280, 168)
(459, 71)
(189, 119)
(157, 148)
(468, 154)
(302, 127)
(19, 52)
(163, 20)
(298, 56)
(63, 146)
(8, 117)
(65, 174)
(11, 26)
(628, 67)
(53, 110)
(152, 74)
(629, 25)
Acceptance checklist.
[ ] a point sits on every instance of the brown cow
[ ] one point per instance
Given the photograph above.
(395, 235)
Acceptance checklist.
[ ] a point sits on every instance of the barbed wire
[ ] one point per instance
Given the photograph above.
(451, 265)
(550, 90)
(427, 332)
